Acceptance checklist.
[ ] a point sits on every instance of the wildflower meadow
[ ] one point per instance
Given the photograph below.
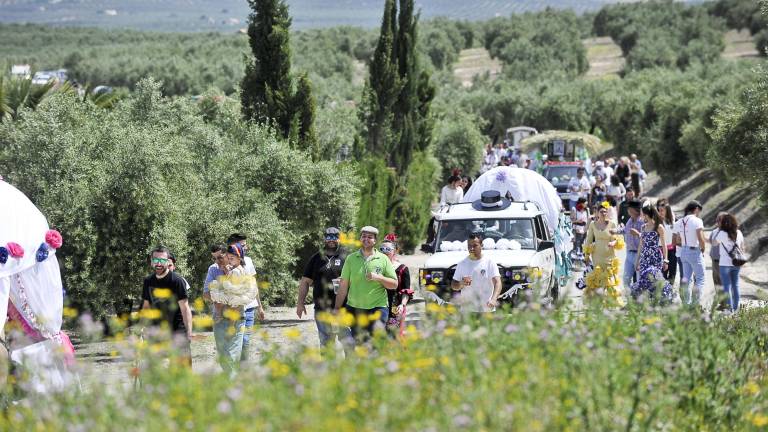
(639, 369)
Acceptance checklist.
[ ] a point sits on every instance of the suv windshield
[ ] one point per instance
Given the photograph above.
(563, 173)
(512, 230)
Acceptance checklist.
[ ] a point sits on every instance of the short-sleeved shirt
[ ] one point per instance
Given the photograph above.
(164, 294)
(323, 269)
(365, 294)
(475, 297)
(727, 245)
(579, 187)
(214, 271)
(250, 269)
(687, 228)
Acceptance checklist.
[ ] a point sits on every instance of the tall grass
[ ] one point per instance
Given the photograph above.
(530, 370)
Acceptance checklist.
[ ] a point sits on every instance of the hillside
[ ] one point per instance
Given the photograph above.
(230, 15)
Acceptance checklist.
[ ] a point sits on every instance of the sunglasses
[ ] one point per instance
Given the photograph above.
(386, 249)
(159, 260)
(331, 237)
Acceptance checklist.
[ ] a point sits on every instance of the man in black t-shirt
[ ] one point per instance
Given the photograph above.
(323, 271)
(166, 292)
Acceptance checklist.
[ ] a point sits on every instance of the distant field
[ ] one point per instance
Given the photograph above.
(230, 15)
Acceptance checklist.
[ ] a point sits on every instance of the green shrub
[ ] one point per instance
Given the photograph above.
(154, 171)
(459, 143)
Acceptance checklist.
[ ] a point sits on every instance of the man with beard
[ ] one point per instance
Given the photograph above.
(166, 291)
(323, 271)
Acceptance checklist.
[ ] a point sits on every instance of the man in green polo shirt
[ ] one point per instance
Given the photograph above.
(366, 276)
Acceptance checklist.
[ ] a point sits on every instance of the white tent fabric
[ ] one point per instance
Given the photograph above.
(35, 288)
(22, 223)
(524, 185)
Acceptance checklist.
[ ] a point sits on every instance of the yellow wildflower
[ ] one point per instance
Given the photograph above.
(231, 314)
(150, 314)
(759, 420)
(292, 333)
(278, 368)
(449, 331)
(199, 304)
(751, 388)
(651, 320)
(69, 312)
(202, 321)
(423, 363)
(162, 293)
(361, 351)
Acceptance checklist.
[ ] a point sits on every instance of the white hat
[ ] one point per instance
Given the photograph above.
(369, 229)
(599, 163)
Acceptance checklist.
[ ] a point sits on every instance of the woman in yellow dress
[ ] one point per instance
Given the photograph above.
(600, 249)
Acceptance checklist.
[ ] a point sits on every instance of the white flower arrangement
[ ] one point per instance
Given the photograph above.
(234, 290)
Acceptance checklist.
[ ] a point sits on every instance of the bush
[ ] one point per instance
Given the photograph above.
(154, 171)
(459, 143)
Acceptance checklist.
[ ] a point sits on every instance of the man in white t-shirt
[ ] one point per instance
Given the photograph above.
(579, 186)
(478, 278)
(689, 234)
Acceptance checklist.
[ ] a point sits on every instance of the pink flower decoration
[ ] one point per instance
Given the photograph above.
(53, 238)
(15, 249)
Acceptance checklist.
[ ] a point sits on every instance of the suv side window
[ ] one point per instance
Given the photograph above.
(544, 227)
(540, 231)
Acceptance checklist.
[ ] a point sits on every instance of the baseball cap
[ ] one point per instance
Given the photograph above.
(332, 233)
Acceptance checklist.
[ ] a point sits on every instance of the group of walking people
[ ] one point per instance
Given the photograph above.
(369, 285)
(658, 247)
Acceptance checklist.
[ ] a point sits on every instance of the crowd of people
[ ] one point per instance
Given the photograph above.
(373, 289)
(659, 245)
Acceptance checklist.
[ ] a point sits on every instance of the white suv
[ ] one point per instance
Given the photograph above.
(516, 238)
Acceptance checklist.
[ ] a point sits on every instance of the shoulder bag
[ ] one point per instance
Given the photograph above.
(738, 257)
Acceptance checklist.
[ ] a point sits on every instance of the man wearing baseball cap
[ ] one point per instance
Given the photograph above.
(365, 278)
(323, 272)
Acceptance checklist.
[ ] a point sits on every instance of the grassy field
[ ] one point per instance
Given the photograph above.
(535, 370)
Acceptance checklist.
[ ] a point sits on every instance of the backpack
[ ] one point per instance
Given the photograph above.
(738, 257)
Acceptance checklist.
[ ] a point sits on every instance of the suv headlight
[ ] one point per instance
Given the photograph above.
(516, 276)
(432, 277)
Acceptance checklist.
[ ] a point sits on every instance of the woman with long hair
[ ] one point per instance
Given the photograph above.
(668, 220)
(729, 238)
(652, 257)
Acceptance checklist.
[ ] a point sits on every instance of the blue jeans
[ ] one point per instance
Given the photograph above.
(250, 317)
(229, 344)
(364, 332)
(629, 269)
(693, 266)
(327, 333)
(729, 275)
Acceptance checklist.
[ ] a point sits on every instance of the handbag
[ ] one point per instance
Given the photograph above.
(738, 257)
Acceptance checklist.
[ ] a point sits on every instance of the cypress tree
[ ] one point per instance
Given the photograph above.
(267, 88)
(304, 101)
(412, 118)
(381, 89)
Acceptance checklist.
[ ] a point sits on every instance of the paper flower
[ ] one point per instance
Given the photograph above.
(501, 176)
(53, 238)
(3, 255)
(42, 252)
(605, 204)
(15, 249)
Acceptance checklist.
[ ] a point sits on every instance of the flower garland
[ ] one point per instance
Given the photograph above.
(53, 240)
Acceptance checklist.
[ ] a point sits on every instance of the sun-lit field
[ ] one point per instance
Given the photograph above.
(533, 370)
